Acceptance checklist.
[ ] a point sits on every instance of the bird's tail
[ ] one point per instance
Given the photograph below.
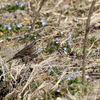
(9, 60)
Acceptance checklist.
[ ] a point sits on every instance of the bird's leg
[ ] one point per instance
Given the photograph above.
(26, 59)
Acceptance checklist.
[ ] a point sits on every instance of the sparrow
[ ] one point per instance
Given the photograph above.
(28, 52)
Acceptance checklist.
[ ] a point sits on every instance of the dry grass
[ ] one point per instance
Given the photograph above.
(65, 22)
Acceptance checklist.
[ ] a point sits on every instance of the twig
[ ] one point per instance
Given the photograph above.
(61, 77)
(91, 47)
(85, 41)
(37, 13)
(69, 96)
(32, 75)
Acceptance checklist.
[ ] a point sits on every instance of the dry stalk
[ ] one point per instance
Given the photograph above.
(61, 1)
(39, 88)
(13, 93)
(19, 72)
(33, 74)
(91, 47)
(37, 12)
(85, 41)
(63, 74)
(69, 96)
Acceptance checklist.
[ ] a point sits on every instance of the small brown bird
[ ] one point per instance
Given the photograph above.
(28, 52)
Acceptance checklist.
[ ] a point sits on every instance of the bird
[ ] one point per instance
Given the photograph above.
(28, 52)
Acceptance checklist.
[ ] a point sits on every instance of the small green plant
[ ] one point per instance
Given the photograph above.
(79, 10)
(52, 47)
(76, 81)
(46, 97)
(13, 7)
(74, 85)
(67, 47)
(57, 93)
